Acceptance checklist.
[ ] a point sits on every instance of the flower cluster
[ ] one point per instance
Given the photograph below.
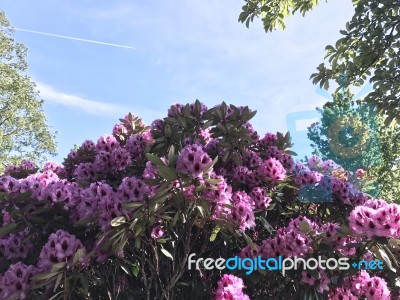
(16, 246)
(243, 211)
(322, 283)
(272, 169)
(26, 167)
(61, 247)
(376, 218)
(327, 181)
(133, 189)
(288, 241)
(331, 236)
(193, 160)
(362, 286)
(14, 283)
(230, 287)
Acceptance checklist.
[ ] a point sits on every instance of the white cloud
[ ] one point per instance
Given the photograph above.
(93, 107)
(89, 106)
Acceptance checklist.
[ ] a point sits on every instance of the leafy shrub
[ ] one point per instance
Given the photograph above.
(120, 217)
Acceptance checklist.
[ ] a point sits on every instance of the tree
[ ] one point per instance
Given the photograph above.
(356, 137)
(24, 133)
(369, 48)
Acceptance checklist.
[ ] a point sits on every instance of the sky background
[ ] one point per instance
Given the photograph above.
(183, 51)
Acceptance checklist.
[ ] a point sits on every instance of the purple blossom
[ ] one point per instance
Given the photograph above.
(272, 169)
(243, 211)
(14, 283)
(157, 125)
(55, 167)
(373, 288)
(259, 196)
(89, 145)
(378, 220)
(240, 174)
(107, 143)
(178, 107)
(120, 159)
(268, 140)
(136, 145)
(118, 130)
(314, 163)
(102, 161)
(150, 171)
(8, 184)
(16, 246)
(193, 160)
(133, 189)
(322, 284)
(85, 172)
(60, 247)
(157, 232)
(230, 287)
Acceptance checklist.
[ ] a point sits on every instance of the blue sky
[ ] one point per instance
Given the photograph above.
(183, 50)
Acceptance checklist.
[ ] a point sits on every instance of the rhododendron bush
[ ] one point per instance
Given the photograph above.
(120, 217)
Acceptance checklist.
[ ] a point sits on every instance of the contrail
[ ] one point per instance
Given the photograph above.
(74, 38)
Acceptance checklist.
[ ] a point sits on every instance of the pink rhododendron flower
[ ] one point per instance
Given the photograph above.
(193, 160)
(157, 232)
(230, 287)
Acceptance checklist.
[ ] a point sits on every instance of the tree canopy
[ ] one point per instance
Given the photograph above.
(367, 50)
(24, 133)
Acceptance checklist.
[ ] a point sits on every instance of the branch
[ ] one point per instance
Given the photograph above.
(181, 268)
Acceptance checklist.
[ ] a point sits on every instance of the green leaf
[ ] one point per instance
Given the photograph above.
(212, 181)
(8, 229)
(304, 226)
(201, 210)
(251, 115)
(44, 276)
(132, 204)
(138, 243)
(171, 156)
(394, 243)
(214, 233)
(267, 225)
(136, 269)
(271, 206)
(78, 255)
(155, 159)
(58, 266)
(175, 219)
(292, 153)
(118, 221)
(229, 205)
(210, 165)
(249, 241)
(384, 257)
(167, 173)
(200, 188)
(166, 253)
(84, 221)
(344, 230)
(58, 281)
(125, 269)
